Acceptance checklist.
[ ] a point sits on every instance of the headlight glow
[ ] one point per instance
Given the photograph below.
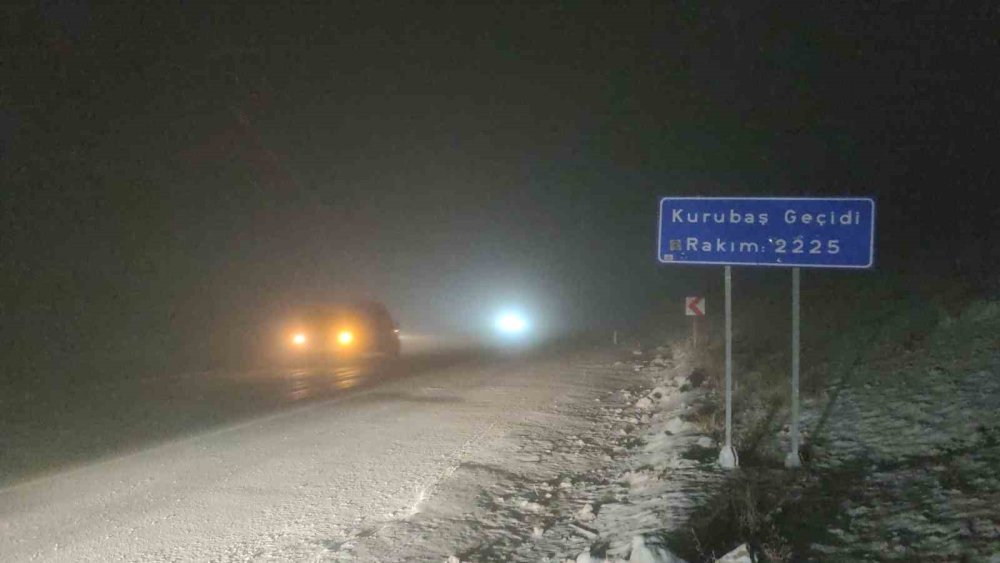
(345, 337)
(511, 323)
(299, 339)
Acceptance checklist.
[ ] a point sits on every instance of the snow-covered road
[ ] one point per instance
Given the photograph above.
(297, 484)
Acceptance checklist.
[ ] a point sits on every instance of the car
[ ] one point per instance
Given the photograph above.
(357, 330)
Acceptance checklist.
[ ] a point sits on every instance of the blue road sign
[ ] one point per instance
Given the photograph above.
(768, 231)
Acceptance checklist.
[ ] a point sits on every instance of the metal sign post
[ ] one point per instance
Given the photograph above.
(727, 457)
(791, 232)
(792, 460)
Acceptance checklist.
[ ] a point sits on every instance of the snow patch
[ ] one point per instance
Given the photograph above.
(529, 506)
(646, 550)
(636, 479)
(586, 514)
(677, 425)
(739, 555)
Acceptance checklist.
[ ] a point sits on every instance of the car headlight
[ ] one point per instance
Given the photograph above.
(299, 339)
(345, 337)
(511, 323)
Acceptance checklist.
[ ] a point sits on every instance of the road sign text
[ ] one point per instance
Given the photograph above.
(808, 232)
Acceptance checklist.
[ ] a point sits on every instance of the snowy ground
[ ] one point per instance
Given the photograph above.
(47, 426)
(902, 448)
(585, 456)
(513, 460)
(584, 480)
(912, 441)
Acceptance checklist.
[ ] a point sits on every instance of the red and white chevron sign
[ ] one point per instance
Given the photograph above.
(694, 306)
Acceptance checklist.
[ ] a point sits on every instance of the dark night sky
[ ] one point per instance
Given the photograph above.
(172, 172)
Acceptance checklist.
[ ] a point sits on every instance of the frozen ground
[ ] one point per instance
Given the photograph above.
(902, 448)
(47, 426)
(607, 467)
(588, 456)
(516, 459)
(911, 442)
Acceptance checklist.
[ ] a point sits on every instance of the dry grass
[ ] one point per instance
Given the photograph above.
(742, 512)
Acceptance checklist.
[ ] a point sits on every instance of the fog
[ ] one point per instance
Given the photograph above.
(177, 178)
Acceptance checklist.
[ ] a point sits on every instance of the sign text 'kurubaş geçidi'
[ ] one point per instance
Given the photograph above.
(764, 231)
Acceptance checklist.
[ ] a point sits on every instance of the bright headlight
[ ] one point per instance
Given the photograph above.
(299, 339)
(345, 337)
(511, 323)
